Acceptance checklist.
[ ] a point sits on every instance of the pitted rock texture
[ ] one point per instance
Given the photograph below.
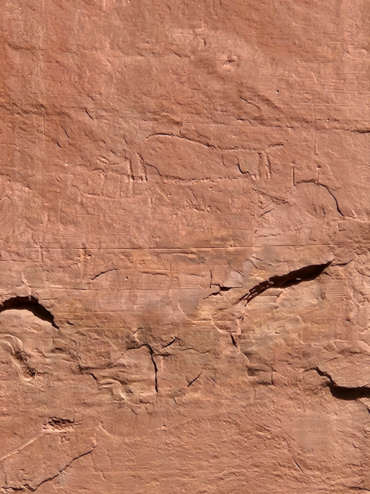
(184, 246)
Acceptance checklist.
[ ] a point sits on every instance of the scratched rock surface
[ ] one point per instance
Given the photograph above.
(184, 246)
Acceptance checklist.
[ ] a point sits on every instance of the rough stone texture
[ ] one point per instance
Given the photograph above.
(185, 266)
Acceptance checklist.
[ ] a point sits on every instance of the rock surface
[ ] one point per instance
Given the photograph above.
(185, 267)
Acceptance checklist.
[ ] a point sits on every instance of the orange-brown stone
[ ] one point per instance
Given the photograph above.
(184, 246)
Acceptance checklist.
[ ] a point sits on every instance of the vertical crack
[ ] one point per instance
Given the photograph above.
(233, 340)
(155, 368)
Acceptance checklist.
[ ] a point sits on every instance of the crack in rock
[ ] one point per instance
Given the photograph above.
(29, 488)
(102, 273)
(308, 273)
(193, 380)
(155, 367)
(326, 188)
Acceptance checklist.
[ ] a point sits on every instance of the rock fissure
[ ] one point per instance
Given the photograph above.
(325, 187)
(103, 272)
(49, 479)
(308, 273)
(155, 368)
(233, 340)
(170, 343)
(193, 380)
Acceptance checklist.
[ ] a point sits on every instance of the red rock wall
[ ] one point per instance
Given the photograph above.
(185, 268)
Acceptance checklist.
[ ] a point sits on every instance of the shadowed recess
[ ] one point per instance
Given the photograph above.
(343, 392)
(349, 394)
(31, 304)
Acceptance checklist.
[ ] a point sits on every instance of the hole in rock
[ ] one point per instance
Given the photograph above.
(31, 304)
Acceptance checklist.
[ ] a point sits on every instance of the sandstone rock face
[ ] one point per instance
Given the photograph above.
(185, 266)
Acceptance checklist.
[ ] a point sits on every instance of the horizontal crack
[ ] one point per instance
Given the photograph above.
(344, 392)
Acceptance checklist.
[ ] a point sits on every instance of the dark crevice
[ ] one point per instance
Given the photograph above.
(31, 304)
(233, 340)
(220, 289)
(193, 380)
(103, 272)
(343, 392)
(327, 188)
(349, 394)
(343, 264)
(360, 131)
(335, 199)
(170, 343)
(308, 273)
(155, 368)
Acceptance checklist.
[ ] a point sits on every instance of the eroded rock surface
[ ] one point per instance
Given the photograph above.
(185, 266)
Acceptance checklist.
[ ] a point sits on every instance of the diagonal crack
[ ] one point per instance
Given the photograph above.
(193, 380)
(308, 273)
(103, 272)
(49, 479)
